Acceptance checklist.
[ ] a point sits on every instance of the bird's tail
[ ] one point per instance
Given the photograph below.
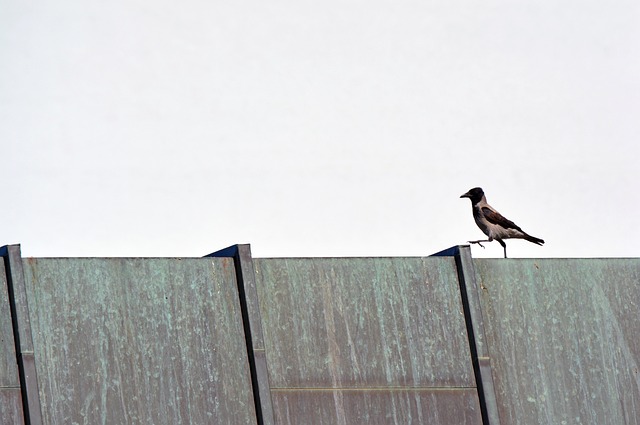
(533, 239)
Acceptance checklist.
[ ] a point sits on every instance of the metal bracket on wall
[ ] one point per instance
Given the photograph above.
(22, 333)
(469, 292)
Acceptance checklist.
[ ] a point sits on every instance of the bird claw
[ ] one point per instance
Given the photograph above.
(477, 242)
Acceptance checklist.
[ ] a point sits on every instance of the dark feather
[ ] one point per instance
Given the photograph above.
(533, 239)
(495, 217)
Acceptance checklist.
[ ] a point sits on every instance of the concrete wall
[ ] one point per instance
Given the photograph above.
(236, 340)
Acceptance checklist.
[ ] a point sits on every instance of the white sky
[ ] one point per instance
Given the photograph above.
(318, 128)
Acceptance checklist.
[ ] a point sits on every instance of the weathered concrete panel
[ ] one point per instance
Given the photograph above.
(377, 407)
(563, 338)
(138, 341)
(11, 412)
(363, 323)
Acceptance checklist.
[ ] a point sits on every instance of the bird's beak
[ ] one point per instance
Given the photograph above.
(466, 195)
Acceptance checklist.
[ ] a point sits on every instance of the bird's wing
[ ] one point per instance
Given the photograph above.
(495, 217)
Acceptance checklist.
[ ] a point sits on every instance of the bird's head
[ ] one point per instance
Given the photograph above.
(474, 194)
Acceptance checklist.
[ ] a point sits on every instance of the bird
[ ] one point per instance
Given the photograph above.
(494, 224)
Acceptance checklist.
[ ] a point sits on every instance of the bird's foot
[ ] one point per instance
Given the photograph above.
(478, 242)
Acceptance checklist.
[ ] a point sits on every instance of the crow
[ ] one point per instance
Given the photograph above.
(493, 224)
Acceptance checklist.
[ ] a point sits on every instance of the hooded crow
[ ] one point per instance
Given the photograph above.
(492, 223)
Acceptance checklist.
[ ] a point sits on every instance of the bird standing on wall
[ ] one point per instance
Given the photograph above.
(493, 224)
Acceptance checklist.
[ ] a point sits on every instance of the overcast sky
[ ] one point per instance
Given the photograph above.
(318, 128)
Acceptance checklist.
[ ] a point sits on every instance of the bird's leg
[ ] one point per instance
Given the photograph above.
(504, 245)
(479, 242)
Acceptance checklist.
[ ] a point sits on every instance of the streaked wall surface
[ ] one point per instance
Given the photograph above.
(437, 340)
(563, 336)
(370, 340)
(132, 341)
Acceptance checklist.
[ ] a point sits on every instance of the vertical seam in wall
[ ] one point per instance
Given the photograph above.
(480, 361)
(263, 408)
(22, 335)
